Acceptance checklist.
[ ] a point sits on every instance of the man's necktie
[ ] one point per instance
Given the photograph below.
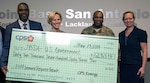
(25, 26)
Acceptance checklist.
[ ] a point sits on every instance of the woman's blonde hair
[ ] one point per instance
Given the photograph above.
(51, 16)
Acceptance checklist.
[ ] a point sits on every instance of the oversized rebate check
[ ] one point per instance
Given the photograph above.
(49, 57)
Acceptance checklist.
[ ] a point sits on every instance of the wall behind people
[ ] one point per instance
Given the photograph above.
(77, 14)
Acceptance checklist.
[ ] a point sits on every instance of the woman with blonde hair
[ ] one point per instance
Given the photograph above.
(133, 49)
(55, 19)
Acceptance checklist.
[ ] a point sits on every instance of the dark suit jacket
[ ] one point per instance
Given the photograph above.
(3, 32)
(33, 26)
(2, 76)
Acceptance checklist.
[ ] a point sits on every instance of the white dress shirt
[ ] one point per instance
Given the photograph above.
(22, 26)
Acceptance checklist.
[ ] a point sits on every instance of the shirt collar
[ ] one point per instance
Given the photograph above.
(21, 23)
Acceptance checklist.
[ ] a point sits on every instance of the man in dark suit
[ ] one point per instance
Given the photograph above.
(2, 32)
(22, 23)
